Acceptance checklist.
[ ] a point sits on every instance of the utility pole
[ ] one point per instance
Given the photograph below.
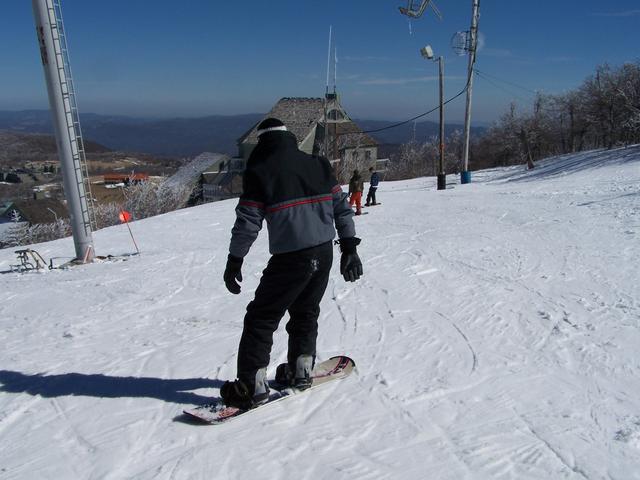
(442, 176)
(473, 43)
(427, 52)
(57, 72)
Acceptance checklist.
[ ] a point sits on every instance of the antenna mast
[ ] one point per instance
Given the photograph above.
(328, 59)
(326, 98)
(335, 67)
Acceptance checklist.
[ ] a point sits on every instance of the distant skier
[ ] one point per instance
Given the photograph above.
(356, 187)
(373, 187)
(301, 200)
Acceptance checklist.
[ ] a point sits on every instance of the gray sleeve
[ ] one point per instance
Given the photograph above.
(249, 217)
(342, 213)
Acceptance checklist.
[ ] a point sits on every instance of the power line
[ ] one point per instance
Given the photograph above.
(499, 87)
(507, 82)
(425, 113)
(486, 76)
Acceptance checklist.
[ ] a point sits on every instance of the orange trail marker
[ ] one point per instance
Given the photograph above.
(125, 217)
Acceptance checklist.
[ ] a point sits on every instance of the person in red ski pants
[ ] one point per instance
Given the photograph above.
(356, 187)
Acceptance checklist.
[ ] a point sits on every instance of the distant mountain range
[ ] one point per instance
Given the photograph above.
(191, 136)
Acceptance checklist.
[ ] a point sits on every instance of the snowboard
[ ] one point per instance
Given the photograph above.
(217, 412)
(371, 205)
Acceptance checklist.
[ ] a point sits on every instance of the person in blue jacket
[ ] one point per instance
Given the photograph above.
(373, 186)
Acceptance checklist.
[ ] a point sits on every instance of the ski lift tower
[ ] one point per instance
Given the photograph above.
(62, 101)
(415, 10)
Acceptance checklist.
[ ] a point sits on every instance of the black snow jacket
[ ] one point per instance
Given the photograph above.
(295, 192)
(356, 184)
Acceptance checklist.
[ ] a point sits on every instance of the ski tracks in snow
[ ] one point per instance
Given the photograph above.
(495, 334)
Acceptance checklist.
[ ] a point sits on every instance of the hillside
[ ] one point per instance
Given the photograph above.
(173, 136)
(16, 146)
(495, 331)
(192, 136)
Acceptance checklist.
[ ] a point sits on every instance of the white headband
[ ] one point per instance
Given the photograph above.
(281, 128)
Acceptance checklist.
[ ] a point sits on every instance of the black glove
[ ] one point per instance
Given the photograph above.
(233, 273)
(350, 264)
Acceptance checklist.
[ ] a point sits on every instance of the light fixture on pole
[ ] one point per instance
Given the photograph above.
(427, 53)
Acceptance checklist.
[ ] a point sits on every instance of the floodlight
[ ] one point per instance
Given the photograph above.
(427, 52)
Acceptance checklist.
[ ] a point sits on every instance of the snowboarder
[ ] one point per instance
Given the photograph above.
(356, 187)
(301, 201)
(373, 187)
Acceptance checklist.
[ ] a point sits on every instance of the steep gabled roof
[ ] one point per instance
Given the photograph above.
(351, 136)
(189, 173)
(298, 114)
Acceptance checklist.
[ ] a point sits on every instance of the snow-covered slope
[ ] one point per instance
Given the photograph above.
(496, 333)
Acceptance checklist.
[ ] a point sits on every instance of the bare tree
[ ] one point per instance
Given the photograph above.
(454, 146)
(412, 161)
(603, 112)
(147, 199)
(107, 214)
(351, 148)
(144, 199)
(24, 234)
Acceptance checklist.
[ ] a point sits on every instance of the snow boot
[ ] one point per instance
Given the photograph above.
(246, 395)
(298, 378)
(302, 377)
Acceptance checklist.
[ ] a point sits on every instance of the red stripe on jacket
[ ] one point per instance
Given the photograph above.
(248, 203)
(300, 202)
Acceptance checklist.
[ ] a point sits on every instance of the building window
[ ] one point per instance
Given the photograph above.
(335, 115)
(355, 155)
(367, 154)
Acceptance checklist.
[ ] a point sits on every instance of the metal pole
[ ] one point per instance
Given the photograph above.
(60, 89)
(328, 59)
(442, 176)
(473, 40)
(326, 99)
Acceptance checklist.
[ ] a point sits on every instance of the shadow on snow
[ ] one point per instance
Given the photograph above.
(96, 385)
(572, 163)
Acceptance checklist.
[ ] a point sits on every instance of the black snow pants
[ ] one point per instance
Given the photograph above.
(293, 282)
(371, 196)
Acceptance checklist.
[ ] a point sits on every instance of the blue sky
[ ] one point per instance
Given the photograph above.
(201, 57)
